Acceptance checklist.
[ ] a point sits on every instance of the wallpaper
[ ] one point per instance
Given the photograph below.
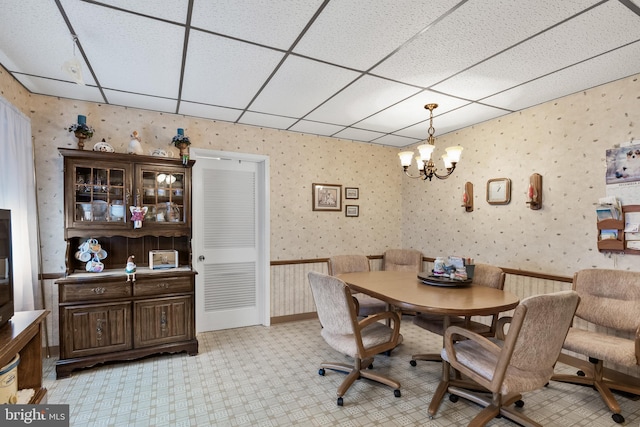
(564, 141)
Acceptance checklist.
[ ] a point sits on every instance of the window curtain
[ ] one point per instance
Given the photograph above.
(18, 193)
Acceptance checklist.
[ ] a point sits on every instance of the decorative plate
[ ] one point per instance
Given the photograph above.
(103, 146)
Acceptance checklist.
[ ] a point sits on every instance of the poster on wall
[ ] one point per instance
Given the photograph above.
(623, 173)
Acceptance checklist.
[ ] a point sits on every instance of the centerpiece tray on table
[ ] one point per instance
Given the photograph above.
(428, 278)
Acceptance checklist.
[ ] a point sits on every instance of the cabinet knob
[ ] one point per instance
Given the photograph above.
(99, 290)
(163, 285)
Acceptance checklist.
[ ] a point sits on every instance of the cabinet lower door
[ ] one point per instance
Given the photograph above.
(95, 329)
(162, 321)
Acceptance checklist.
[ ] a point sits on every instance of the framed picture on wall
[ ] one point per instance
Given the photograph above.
(351, 193)
(352, 210)
(327, 197)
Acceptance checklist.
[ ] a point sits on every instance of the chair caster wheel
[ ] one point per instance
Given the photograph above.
(519, 403)
(453, 398)
(580, 373)
(412, 363)
(618, 418)
(397, 393)
(370, 366)
(321, 372)
(340, 401)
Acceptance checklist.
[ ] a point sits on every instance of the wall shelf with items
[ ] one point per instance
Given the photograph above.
(611, 234)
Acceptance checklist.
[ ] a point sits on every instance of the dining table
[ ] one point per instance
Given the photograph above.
(403, 289)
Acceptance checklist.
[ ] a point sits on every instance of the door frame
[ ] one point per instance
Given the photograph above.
(263, 261)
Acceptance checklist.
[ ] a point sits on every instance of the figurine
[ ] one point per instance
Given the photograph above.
(130, 269)
(137, 215)
(134, 145)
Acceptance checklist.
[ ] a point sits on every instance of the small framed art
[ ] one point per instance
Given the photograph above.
(327, 197)
(352, 210)
(351, 193)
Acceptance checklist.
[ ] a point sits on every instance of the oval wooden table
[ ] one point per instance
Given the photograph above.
(404, 290)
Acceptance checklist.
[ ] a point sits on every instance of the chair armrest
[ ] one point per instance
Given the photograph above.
(381, 316)
(502, 322)
(449, 340)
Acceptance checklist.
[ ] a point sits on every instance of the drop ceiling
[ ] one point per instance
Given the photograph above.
(353, 69)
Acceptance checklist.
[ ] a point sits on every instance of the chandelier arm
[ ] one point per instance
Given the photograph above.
(406, 172)
(449, 172)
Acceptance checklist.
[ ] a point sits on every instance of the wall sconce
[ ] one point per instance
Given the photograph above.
(534, 192)
(467, 197)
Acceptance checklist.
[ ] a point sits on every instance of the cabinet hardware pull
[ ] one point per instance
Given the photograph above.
(99, 330)
(99, 290)
(163, 285)
(163, 321)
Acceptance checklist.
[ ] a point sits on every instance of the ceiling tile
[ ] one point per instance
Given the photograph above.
(359, 33)
(358, 134)
(175, 10)
(40, 44)
(473, 32)
(620, 63)
(300, 85)
(266, 120)
(141, 101)
(270, 22)
(315, 128)
(360, 100)
(225, 72)
(409, 112)
(60, 88)
(396, 141)
(454, 120)
(128, 52)
(585, 36)
(209, 111)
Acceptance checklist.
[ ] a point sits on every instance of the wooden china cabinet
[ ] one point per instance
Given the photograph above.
(108, 316)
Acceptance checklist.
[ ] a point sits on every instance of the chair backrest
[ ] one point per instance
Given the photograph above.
(339, 264)
(543, 322)
(402, 260)
(334, 303)
(489, 276)
(610, 298)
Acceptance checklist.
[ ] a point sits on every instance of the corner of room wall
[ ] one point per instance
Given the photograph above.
(565, 141)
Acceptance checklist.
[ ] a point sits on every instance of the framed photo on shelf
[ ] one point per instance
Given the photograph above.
(351, 193)
(352, 210)
(327, 197)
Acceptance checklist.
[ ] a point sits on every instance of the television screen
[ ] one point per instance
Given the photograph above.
(6, 268)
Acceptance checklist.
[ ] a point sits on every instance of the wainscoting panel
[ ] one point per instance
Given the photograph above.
(290, 290)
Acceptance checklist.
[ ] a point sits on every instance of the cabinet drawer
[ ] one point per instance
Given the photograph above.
(94, 291)
(162, 286)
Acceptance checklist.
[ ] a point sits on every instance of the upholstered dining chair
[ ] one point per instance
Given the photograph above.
(524, 362)
(339, 264)
(609, 299)
(484, 275)
(402, 260)
(359, 339)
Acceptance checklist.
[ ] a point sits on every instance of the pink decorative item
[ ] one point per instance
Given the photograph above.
(137, 215)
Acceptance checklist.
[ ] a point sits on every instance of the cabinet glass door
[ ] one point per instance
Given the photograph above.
(100, 194)
(163, 195)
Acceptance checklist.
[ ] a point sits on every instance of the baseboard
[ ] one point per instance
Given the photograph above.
(294, 317)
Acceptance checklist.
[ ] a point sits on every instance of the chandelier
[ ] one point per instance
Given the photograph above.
(425, 165)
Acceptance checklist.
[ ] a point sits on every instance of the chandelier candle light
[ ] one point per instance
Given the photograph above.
(425, 165)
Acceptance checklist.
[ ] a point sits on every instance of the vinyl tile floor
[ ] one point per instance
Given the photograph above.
(268, 376)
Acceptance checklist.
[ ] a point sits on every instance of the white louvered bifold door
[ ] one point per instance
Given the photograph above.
(227, 294)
